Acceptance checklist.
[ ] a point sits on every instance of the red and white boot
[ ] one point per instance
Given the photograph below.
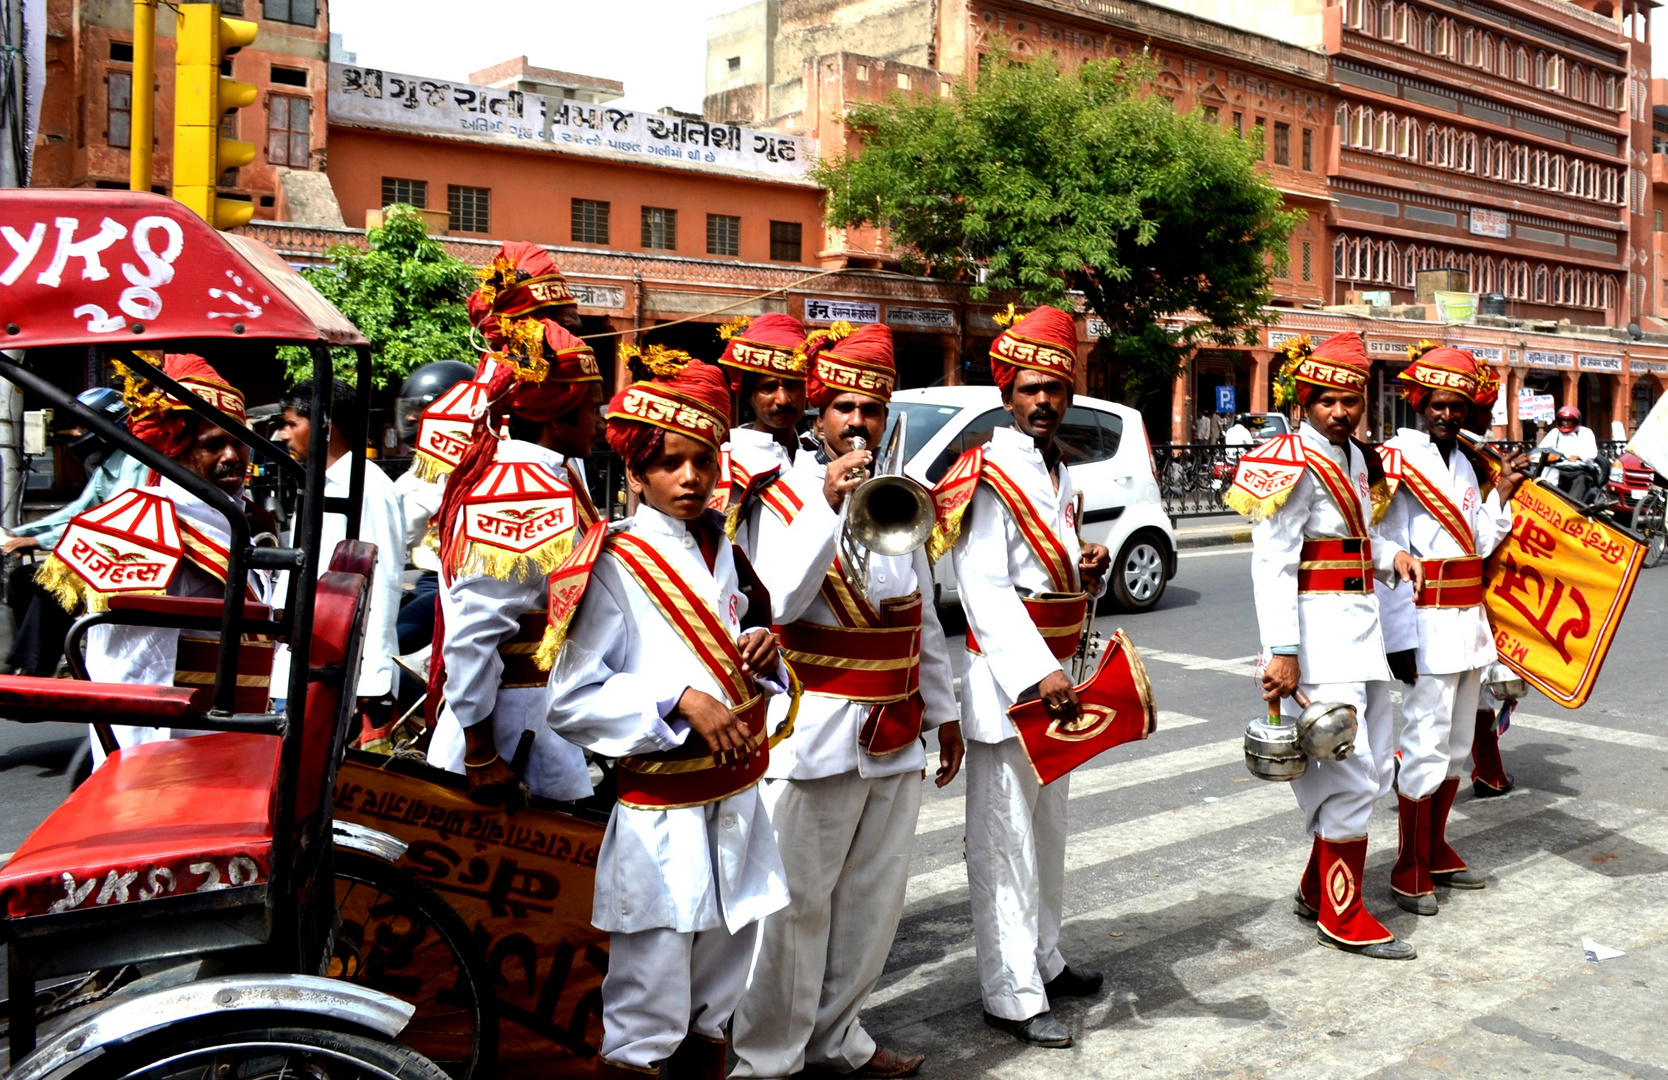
(1489, 777)
(1345, 923)
(1446, 867)
(1306, 901)
(1410, 880)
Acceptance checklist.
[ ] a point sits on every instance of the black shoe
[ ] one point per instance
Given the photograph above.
(1071, 983)
(1418, 905)
(1041, 1030)
(1461, 879)
(1484, 791)
(1382, 950)
(1302, 910)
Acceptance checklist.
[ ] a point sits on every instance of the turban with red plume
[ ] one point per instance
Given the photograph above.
(162, 420)
(1045, 340)
(860, 363)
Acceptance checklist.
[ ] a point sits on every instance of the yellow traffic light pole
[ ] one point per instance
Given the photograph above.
(202, 97)
(142, 98)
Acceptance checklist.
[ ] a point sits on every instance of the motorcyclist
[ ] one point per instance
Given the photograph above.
(1579, 471)
(1570, 438)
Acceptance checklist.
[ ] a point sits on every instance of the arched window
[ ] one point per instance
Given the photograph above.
(1384, 136)
(1543, 284)
(1488, 158)
(1577, 81)
(1430, 145)
(1469, 54)
(1404, 136)
(1556, 180)
(1340, 250)
(1387, 21)
(1341, 121)
(1540, 69)
(1521, 67)
(1594, 88)
(1352, 13)
(1612, 92)
(1404, 26)
(1430, 39)
(1468, 152)
(1485, 52)
(1555, 74)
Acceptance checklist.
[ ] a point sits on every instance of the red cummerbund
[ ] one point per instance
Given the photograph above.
(1336, 566)
(197, 659)
(520, 672)
(1058, 617)
(878, 665)
(688, 776)
(1451, 583)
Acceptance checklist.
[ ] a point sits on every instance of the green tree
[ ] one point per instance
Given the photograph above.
(1088, 181)
(404, 293)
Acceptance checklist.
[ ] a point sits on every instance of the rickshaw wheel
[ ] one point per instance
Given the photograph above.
(234, 1047)
(399, 936)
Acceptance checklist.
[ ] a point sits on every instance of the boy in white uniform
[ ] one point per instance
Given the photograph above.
(652, 668)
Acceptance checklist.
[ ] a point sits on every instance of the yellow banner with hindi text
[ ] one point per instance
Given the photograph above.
(1557, 588)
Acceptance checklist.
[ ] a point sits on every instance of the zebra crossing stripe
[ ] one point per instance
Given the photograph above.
(1579, 730)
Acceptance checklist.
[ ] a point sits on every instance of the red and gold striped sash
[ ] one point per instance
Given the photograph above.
(1062, 572)
(1337, 484)
(584, 509)
(1440, 507)
(692, 617)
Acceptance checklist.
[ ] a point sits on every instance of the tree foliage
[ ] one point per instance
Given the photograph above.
(1087, 180)
(405, 294)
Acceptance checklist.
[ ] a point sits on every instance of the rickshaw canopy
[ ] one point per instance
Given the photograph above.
(82, 266)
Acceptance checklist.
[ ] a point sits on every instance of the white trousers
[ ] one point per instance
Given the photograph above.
(1439, 723)
(662, 985)
(1337, 796)
(1016, 873)
(846, 843)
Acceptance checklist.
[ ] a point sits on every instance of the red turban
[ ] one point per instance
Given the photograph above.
(771, 344)
(521, 278)
(162, 420)
(860, 363)
(1447, 368)
(1045, 340)
(1338, 363)
(672, 393)
(541, 374)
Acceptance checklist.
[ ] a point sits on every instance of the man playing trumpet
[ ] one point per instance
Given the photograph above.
(844, 790)
(1026, 581)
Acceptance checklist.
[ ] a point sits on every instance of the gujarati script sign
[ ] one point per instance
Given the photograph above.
(1557, 589)
(411, 102)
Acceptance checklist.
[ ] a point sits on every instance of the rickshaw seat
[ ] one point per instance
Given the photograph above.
(167, 818)
(354, 557)
(208, 607)
(33, 699)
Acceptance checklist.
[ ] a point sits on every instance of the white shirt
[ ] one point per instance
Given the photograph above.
(1579, 444)
(792, 562)
(419, 502)
(1447, 640)
(1239, 435)
(1337, 634)
(758, 450)
(622, 666)
(995, 568)
(380, 523)
(480, 613)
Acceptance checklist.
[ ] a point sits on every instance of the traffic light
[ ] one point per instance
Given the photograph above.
(202, 97)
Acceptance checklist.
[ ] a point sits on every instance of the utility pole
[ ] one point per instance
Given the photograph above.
(143, 101)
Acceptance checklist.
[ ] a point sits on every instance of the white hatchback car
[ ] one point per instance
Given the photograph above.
(1106, 450)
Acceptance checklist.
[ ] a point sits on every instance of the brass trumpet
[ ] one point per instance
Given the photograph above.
(887, 513)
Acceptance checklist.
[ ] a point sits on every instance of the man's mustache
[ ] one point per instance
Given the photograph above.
(226, 470)
(1043, 412)
(854, 433)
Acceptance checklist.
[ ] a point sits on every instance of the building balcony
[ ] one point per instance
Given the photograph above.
(1659, 167)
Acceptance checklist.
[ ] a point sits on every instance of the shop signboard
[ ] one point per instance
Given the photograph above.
(827, 310)
(1599, 363)
(1486, 222)
(1541, 358)
(919, 317)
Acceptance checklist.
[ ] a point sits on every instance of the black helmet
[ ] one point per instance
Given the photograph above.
(100, 399)
(421, 387)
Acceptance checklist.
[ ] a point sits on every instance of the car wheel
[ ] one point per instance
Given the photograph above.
(1138, 578)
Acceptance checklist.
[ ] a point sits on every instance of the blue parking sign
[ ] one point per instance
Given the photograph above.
(1225, 399)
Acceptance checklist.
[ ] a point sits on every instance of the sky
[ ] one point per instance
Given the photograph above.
(658, 48)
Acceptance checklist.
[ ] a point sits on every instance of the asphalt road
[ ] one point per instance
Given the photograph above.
(1181, 865)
